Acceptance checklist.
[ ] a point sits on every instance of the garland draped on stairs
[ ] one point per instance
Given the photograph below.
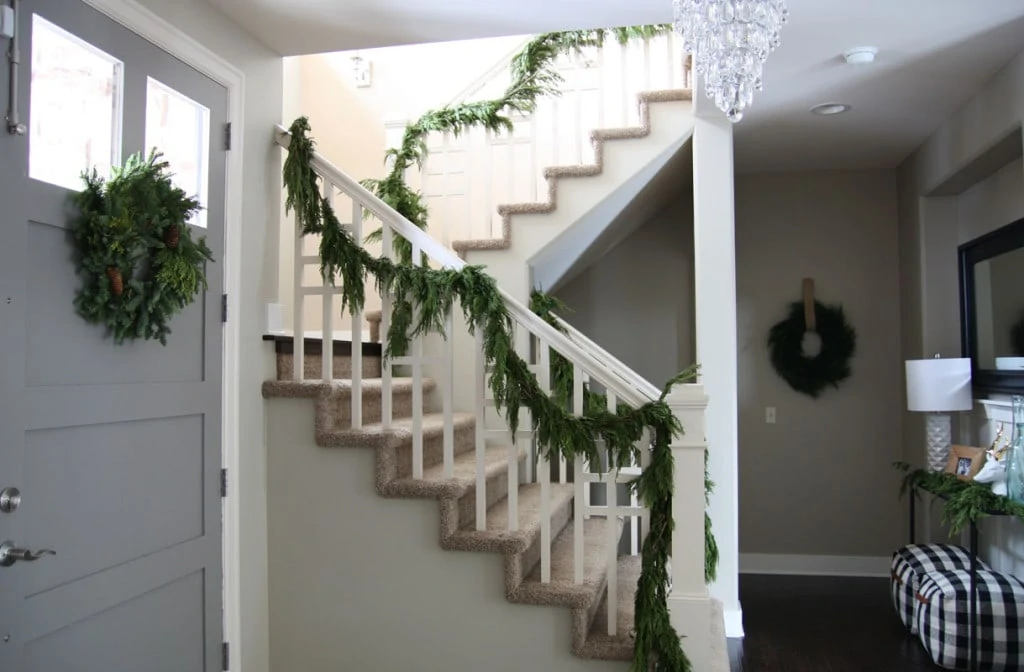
(533, 77)
(559, 432)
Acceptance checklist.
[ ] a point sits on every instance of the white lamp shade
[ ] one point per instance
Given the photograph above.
(938, 385)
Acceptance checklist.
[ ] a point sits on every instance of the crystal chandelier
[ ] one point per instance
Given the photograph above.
(730, 40)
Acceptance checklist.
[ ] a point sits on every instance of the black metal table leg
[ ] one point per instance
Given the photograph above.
(973, 625)
(913, 497)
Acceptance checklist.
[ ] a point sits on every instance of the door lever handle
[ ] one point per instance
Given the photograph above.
(10, 554)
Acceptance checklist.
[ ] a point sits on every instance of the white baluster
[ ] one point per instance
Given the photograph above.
(544, 469)
(533, 155)
(488, 189)
(624, 83)
(645, 462)
(578, 130)
(544, 475)
(386, 300)
(417, 385)
(327, 320)
(577, 409)
(600, 87)
(647, 63)
(480, 404)
(512, 165)
(580, 480)
(448, 389)
(613, 551)
(357, 332)
(298, 310)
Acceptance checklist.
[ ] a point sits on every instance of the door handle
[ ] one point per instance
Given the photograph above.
(10, 554)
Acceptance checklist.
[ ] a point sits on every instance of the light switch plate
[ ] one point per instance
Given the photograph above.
(7, 21)
(769, 415)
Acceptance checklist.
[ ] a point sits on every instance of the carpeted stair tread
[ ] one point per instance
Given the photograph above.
(497, 538)
(434, 484)
(375, 436)
(562, 590)
(619, 647)
(316, 389)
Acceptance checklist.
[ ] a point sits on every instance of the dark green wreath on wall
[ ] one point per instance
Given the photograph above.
(136, 257)
(812, 374)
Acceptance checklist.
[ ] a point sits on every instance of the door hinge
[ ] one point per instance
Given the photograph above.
(227, 136)
(223, 307)
(223, 482)
(225, 656)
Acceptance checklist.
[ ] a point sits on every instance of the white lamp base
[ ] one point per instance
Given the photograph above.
(940, 437)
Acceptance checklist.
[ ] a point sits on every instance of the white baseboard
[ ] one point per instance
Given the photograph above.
(815, 565)
(733, 623)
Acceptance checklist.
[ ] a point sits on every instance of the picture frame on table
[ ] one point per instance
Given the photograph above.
(965, 462)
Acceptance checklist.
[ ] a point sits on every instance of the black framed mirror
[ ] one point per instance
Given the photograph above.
(992, 309)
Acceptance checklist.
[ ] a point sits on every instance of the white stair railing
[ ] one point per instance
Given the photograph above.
(465, 179)
(537, 342)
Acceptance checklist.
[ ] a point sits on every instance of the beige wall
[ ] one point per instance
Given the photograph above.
(613, 302)
(261, 191)
(960, 184)
(820, 480)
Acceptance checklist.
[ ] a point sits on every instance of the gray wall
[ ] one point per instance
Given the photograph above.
(820, 480)
(261, 191)
(637, 301)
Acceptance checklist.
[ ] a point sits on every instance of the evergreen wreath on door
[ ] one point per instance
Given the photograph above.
(136, 257)
(805, 373)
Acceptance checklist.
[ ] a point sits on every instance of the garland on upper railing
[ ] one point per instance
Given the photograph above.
(533, 76)
(545, 306)
(559, 432)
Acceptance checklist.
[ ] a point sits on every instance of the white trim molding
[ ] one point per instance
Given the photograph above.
(151, 27)
(734, 623)
(815, 565)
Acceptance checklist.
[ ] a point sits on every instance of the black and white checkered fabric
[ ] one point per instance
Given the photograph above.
(944, 616)
(910, 563)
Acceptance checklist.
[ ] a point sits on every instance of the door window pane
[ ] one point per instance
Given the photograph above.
(75, 107)
(180, 128)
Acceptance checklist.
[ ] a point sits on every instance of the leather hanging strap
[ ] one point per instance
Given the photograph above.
(809, 321)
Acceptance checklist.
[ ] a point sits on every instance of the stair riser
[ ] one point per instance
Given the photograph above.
(313, 366)
(531, 558)
(497, 490)
(401, 407)
(433, 450)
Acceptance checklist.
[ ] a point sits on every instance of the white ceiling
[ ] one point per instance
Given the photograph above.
(934, 54)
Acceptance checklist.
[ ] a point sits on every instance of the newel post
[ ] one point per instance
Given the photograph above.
(689, 604)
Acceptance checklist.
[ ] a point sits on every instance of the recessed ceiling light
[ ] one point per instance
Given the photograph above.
(829, 109)
(860, 55)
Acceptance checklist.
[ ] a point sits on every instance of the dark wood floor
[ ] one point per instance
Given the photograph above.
(822, 624)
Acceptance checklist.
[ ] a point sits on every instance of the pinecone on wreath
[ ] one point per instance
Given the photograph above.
(172, 236)
(116, 280)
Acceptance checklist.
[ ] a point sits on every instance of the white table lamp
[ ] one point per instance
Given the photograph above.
(938, 387)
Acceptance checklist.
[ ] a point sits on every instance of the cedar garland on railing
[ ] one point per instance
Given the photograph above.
(544, 306)
(559, 432)
(533, 77)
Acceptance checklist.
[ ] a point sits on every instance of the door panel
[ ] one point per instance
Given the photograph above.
(116, 449)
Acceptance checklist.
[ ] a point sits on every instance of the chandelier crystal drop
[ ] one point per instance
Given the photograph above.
(730, 41)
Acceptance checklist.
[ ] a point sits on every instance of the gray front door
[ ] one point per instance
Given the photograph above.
(115, 449)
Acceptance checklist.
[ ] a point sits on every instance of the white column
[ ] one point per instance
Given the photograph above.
(715, 280)
(689, 605)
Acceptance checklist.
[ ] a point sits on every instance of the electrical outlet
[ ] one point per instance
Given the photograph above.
(769, 415)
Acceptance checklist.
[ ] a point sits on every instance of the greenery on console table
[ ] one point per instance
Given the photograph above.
(533, 77)
(513, 384)
(966, 502)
